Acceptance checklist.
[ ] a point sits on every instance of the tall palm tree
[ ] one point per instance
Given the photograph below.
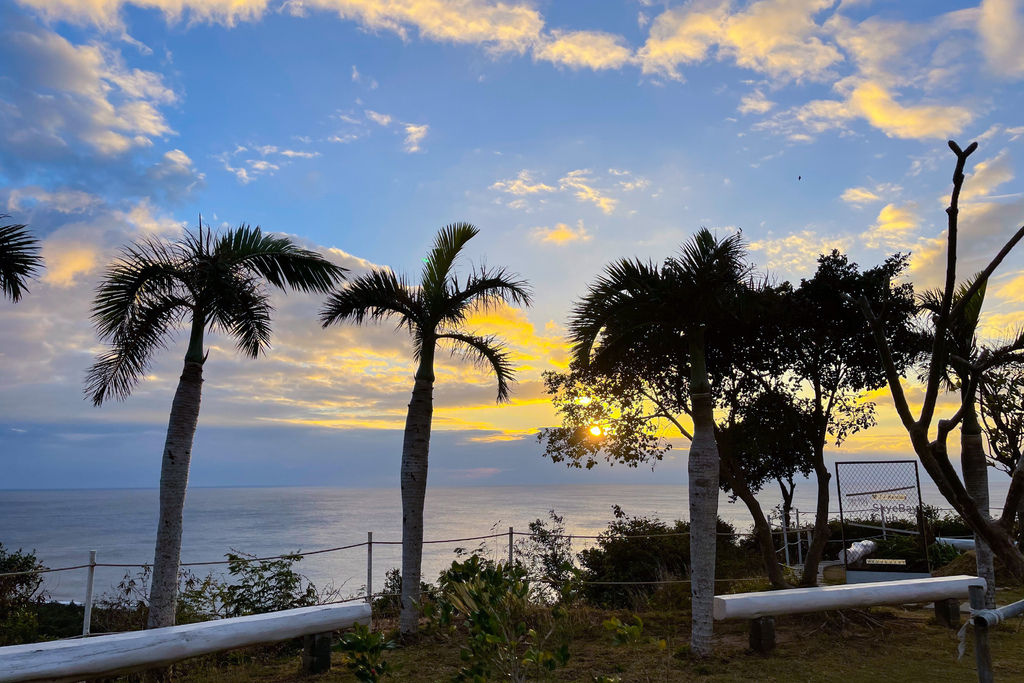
(19, 259)
(697, 289)
(433, 313)
(209, 283)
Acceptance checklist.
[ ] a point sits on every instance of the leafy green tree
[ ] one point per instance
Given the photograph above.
(1001, 404)
(695, 291)
(829, 356)
(209, 283)
(434, 313)
(19, 259)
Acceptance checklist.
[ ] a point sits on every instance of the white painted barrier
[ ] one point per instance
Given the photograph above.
(800, 600)
(121, 653)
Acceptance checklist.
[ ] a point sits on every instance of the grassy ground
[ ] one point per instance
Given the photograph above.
(873, 646)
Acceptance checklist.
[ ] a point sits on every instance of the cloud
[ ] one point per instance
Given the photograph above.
(894, 227)
(779, 38)
(68, 261)
(59, 95)
(1001, 35)
(292, 154)
(414, 135)
(875, 104)
(561, 234)
(522, 185)
(796, 254)
(381, 119)
(858, 196)
(578, 182)
(987, 176)
(755, 103)
(62, 200)
(584, 49)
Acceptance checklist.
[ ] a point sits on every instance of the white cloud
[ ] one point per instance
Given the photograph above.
(522, 185)
(380, 119)
(1001, 34)
(61, 200)
(755, 103)
(987, 176)
(584, 49)
(59, 94)
(414, 135)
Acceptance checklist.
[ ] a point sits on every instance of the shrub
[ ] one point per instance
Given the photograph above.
(642, 549)
(494, 602)
(19, 596)
(364, 654)
(549, 561)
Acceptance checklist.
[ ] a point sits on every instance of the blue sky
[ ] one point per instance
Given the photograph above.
(570, 133)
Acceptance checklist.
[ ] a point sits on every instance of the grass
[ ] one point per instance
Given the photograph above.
(862, 646)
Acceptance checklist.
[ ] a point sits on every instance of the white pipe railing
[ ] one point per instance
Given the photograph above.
(800, 600)
(122, 653)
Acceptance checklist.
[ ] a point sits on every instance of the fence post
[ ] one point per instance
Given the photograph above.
(510, 556)
(87, 620)
(785, 539)
(799, 542)
(982, 651)
(369, 567)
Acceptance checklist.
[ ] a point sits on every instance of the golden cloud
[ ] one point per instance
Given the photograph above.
(859, 196)
(584, 49)
(987, 176)
(68, 262)
(875, 103)
(561, 234)
(797, 254)
(578, 182)
(775, 37)
(894, 227)
(1002, 36)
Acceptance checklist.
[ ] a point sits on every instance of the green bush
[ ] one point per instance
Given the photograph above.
(642, 549)
(364, 654)
(493, 601)
(19, 596)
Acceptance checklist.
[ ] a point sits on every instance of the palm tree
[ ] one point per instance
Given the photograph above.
(435, 312)
(692, 291)
(210, 283)
(19, 259)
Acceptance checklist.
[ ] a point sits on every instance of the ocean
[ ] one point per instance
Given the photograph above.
(62, 526)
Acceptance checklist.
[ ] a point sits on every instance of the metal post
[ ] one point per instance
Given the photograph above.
(510, 556)
(882, 511)
(369, 567)
(982, 652)
(799, 542)
(785, 538)
(87, 620)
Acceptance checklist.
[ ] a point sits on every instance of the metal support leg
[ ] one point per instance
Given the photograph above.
(762, 635)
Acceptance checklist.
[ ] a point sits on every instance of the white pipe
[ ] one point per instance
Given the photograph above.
(958, 543)
(799, 600)
(121, 653)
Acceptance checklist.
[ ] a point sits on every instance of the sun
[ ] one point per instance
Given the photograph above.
(595, 430)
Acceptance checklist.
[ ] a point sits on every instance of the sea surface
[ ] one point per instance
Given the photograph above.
(62, 526)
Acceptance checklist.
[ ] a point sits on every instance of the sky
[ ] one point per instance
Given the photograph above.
(572, 134)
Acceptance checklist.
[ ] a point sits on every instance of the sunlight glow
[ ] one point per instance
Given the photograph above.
(595, 430)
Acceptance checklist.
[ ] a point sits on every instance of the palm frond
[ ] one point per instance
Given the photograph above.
(439, 262)
(146, 274)
(375, 296)
(243, 310)
(147, 328)
(484, 290)
(19, 259)
(487, 352)
(628, 295)
(710, 273)
(277, 259)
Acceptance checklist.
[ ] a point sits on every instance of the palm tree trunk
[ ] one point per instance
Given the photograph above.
(821, 531)
(975, 469)
(181, 428)
(415, 450)
(703, 469)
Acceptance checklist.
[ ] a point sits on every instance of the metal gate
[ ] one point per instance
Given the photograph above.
(882, 520)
